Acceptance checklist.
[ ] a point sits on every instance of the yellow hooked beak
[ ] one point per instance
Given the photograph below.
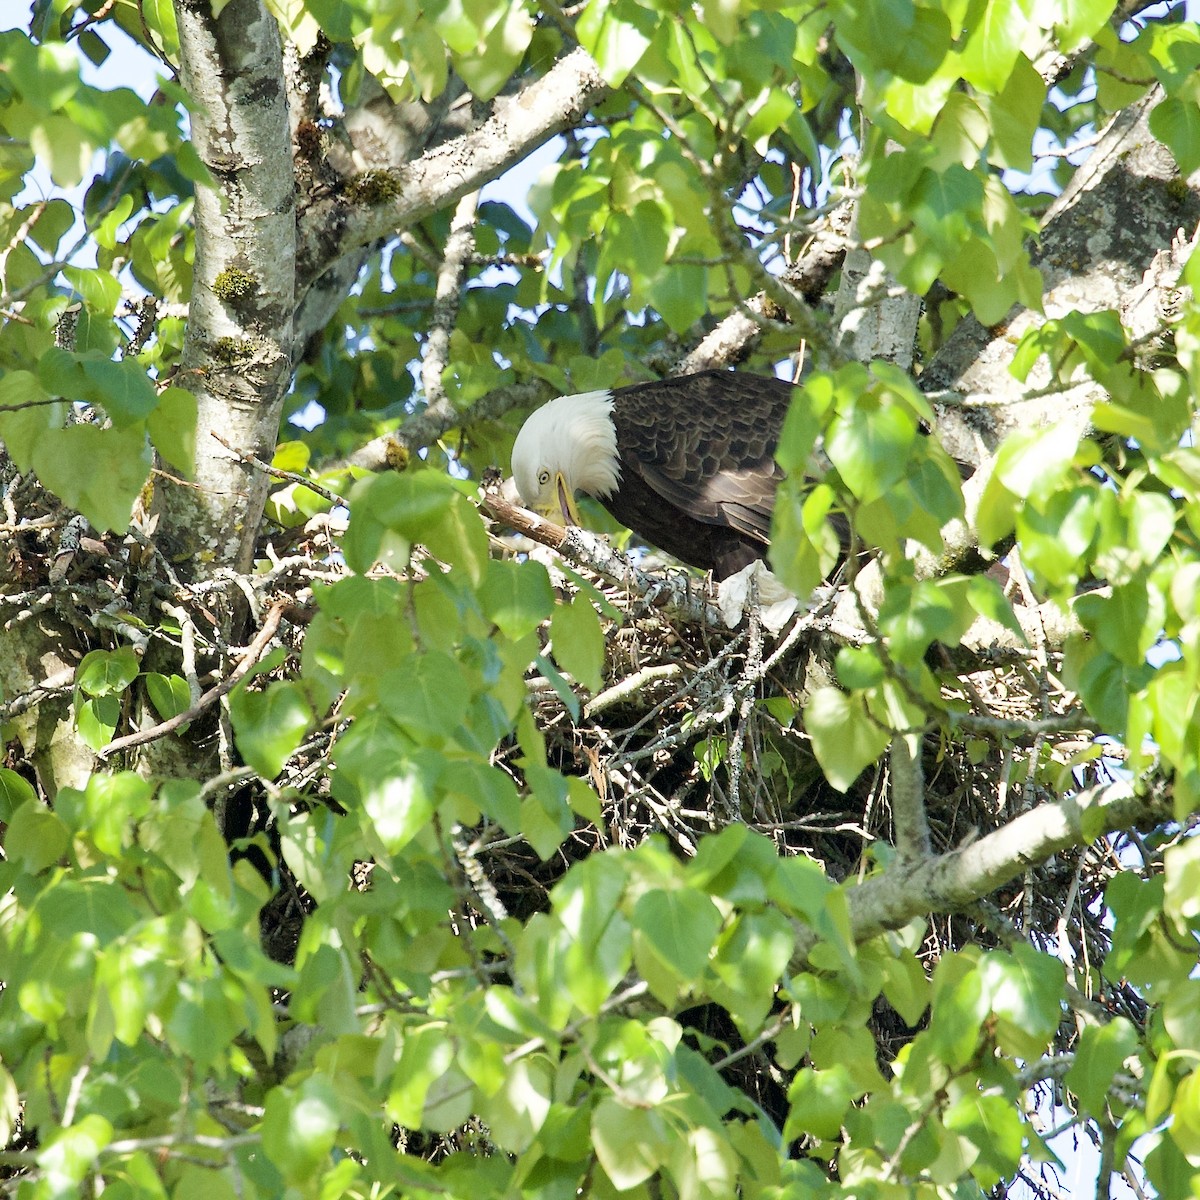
(562, 505)
(566, 501)
(559, 505)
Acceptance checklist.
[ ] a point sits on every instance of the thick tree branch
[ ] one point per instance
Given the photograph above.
(909, 822)
(237, 352)
(1092, 255)
(876, 318)
(736, 335)
(955, 880)
(676, 592)
(459, 247)
(446, 173)
(426, 425)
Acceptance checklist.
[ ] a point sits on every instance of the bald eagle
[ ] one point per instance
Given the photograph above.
(686, 463)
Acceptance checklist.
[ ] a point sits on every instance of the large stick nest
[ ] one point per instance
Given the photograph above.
(695, 727)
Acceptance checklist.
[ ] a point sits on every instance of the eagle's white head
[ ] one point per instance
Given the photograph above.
(567, 445)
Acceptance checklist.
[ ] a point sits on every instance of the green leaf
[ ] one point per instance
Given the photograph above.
(1014, 115)
(906, 986)
(993, 1126)
(64, 147)
(681, 925)
(943, 203)
(599, 939)
(269, 725)
(100, 290)
(96, 719)
(546, 817)
(516, 597)
(1176, 122)
(897, 40)
(1078, 21)
(14, 791)
(1102, 1051)
(122, 388)
(1031, 463)
(1099, 679)
(1185, 1116)
(427, 696)
(115, 805)
(1122, 621)
(1026, 995)
(159, 16)
(299, 1127)
(616, 35)
(630, 1143)
(752, 956)
(99, 472)
(579, 642)
(801, 888)
(1056, 533)
(991, 51)
(172, 427)
(987, 598)
(400, 805)
(680, 294)
(380, 773)
(960, 1007)
(932, 610)
(870, 448)
(23, 428)
(583, 801)
(36, 838)
(1181, 868)
(70, 1154)
(391, 513)
(487, 68)
(803, 423)
(845, 739)
(169, 694)
(1151, 517)
(858, 667)
(458, 538)
(818, 1101)
(518, 1109)
(960, 132)
(202, 1183)
(106, 672)
(488, 787)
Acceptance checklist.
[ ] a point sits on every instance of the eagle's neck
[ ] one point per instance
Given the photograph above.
(589, 438)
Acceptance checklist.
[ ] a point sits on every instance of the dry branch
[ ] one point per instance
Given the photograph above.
(954, 880)
(253, 653)
(675, 593)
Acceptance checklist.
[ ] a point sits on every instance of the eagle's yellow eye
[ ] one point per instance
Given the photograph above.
(543, 478)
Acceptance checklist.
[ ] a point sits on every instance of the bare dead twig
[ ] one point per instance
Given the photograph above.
(451, 271)
(275, 473)
(254, 652)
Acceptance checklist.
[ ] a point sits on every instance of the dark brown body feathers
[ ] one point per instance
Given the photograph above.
(698, 473)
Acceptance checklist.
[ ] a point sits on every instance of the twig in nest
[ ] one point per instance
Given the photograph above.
(673, 593)
(276, 473)
(253, 653)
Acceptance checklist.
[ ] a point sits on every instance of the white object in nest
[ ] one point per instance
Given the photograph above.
(776, 604)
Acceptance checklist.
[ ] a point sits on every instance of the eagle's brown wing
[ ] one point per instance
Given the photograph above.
(698, 473)
(706, 443)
